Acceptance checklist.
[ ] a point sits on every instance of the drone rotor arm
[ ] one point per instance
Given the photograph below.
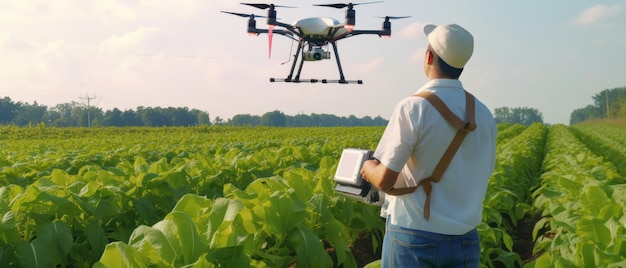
(286, 33)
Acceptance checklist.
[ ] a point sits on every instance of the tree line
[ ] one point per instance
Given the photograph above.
(75, 114)
(608, 104)
(520, 115)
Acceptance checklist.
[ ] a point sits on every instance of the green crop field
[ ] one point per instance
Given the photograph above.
(263, 197)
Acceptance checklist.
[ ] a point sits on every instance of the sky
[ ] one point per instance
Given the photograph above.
(552, 56)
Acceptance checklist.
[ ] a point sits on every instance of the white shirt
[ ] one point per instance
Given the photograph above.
(412, 144)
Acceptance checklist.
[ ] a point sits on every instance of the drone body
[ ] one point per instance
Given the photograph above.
(319, 27)
(313, 35)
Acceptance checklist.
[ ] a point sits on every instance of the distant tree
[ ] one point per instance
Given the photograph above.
(7, 110)
(524, 116)
(113, 118)
(582, 114)
(74, 114)
(219, 120)
(299, 120)
(274, 119)
(379, 121)
(154, 117)
(622, 109)
(202, 117)
(131, 119)
(245, 120)
(88, 116)
(181, 116)
(30, 114)
(63, 115)
(613, 99)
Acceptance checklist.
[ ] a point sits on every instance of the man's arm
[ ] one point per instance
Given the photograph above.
(379, 175)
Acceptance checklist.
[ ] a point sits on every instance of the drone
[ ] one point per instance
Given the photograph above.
(314, 35)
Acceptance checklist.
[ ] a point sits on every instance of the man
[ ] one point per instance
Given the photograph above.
(438, 229)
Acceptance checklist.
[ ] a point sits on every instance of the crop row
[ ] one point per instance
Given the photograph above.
(583, 199)
(76, 201)
(605, 140)
(263, 197)
(508, 200)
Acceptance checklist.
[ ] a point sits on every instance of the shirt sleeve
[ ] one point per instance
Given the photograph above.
(400, 137)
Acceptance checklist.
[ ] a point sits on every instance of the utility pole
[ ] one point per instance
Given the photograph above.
(88, 109)
(606, 95)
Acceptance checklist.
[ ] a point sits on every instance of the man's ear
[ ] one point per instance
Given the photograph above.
(430, 57)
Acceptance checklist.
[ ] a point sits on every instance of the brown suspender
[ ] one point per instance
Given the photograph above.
(463, 129)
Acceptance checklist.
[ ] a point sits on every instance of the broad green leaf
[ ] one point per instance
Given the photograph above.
(231, 191)
(508, 259)
(119, 254)
(334, 233)
(618, 264)
(586, 251)
(145, 209)
(309, 248)
(301, 182)
(37, 253)
(7, 195)
(90, 189)
(201, 263)
(8, 229)
(61, 177)
(59, 237)
(97, 239)
(541, 224)
(234, 257)
(593, 200)
(193, 205)
(508, 241)
(153, 244)
(594, 230)
(225, 228)
(286, 212)
(611, 210)
(374, 264)
(181, 232)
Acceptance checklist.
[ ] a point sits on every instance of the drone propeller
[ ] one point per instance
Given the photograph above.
(243, 15)
(265, 6)
(394, 17)
(386, 31)
(271, 20)
(350, 13)
(346, 5)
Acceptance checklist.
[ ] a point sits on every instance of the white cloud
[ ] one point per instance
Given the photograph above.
(418, 56)
(597, 13)
(413, 30)
(371, 65)
(128, 42)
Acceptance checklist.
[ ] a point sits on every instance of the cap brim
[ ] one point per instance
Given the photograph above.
(428, 28)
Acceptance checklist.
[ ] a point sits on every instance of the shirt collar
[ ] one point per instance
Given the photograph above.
(441, 83)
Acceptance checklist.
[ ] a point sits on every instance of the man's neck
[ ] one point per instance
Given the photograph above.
(439, 76)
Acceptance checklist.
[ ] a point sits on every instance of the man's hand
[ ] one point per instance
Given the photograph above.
(379, 175)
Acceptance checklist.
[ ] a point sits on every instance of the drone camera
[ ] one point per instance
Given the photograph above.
(316, 54)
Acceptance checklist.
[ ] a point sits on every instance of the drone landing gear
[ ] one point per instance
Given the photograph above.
(323, 81)
(291, 79)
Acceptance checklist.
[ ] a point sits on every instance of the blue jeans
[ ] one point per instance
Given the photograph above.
(404, 247)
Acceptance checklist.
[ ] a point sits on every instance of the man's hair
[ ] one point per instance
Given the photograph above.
(445, 68)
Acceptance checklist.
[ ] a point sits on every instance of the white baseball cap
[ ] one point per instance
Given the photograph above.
(452, 43)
